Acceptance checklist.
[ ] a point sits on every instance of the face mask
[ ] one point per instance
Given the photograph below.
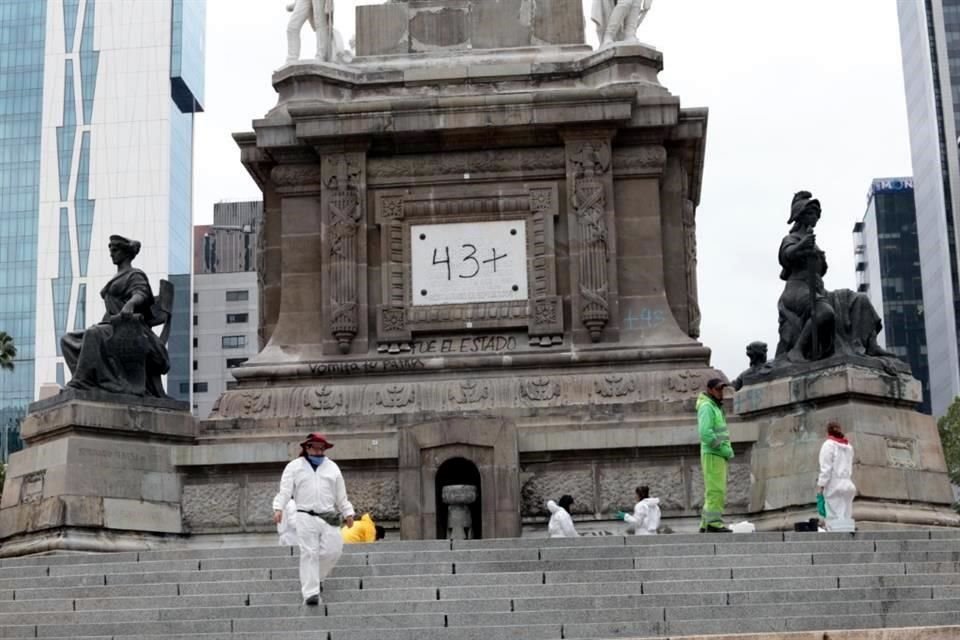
(316, 459)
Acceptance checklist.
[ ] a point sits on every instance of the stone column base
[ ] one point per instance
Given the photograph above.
(96, 475)
(899, 467)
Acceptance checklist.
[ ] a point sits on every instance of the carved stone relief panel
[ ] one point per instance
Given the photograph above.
(342, 204)
(615, 386)
(397, 211)
(550, 485)
(258, 503)
(211, 506)
(374, 492)
(618, 485)
(590, 194)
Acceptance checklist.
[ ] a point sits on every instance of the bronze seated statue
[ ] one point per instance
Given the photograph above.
(816, 323)
(122, 354)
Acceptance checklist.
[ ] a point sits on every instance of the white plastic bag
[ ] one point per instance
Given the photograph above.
(743, 527)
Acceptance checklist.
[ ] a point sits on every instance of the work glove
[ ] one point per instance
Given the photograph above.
(620, 515)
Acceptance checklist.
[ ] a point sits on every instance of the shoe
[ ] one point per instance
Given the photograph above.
(702, 530)
(718, 530)
(312, 600)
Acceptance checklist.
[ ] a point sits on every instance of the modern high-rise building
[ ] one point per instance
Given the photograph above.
(930, 47)
(888, 271)
(225, 299)
(97, 105)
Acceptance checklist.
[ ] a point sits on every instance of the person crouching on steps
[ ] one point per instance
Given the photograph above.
(316, 484)
(646, 514)
(561, 524)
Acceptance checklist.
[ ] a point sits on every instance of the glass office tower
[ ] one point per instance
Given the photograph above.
(930, 46)
(96, 138)
(888, 271)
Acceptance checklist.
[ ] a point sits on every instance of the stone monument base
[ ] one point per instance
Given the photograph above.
(96, 475)
(899, 467)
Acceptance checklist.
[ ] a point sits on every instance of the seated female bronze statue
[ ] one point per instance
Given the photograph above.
(816, 323)
(122, 354)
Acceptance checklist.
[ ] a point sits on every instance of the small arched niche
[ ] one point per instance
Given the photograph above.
(459, 471)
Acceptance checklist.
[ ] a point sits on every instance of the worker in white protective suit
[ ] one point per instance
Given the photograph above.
(561, 524)
(834, 483)
(316, 484)
(646, 514)
(287, 528)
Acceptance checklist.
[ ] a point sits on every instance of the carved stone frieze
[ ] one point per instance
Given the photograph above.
(396, 396)
(323, 398)
(469, 392)
(615, 386)
(352, 397)
(646, 159)
(468, 162)
(539, 389)
(342, 202)
(253, 403)
(686, 381)
(590, 187)
(296, 175)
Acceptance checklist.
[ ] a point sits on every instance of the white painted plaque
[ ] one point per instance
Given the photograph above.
(467, 262)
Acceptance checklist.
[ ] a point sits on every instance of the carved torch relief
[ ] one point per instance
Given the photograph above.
(590, 182)
(343, 187)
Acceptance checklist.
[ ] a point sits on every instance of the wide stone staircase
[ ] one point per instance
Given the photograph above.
(517, 589)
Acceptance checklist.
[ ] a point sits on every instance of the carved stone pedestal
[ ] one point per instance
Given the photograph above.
(477, 266)
(899, 467)
(96, 475)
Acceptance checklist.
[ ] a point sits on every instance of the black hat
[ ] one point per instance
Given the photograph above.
(717, 383)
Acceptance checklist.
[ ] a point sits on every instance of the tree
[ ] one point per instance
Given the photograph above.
(949, 428)
(8, 351)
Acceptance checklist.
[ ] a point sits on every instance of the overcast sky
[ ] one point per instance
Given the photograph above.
(802, 95)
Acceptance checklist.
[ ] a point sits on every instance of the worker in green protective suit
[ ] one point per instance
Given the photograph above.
(715, 451)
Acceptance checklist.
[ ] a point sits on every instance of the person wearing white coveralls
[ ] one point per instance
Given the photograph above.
(287, 528)
(836, 469)
(316, 484)
(561, 524)
(646, 514)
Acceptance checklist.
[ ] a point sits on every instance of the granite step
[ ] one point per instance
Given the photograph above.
(522, 589)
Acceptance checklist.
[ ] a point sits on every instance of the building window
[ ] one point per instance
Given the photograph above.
(196, 298)
(232, 384)
(194, 365)
(235, 362)
(238, 296)
(237, 318)
(196, 320)
(196, 342)
(233, 342)
(199, 387)
(184, 388)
